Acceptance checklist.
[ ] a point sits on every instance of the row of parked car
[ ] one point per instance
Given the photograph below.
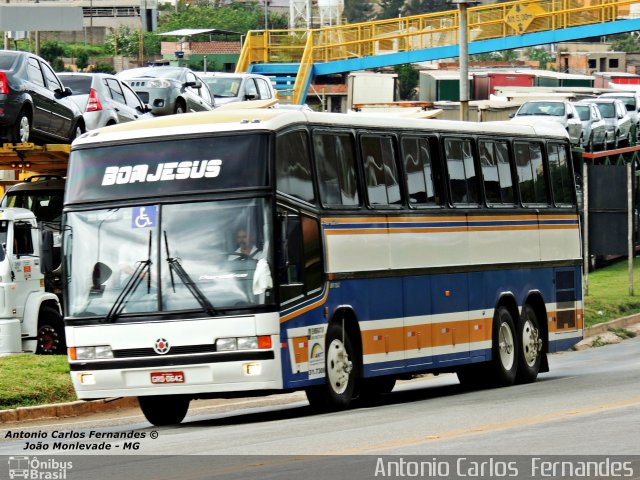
(38, 105)
(600, 123)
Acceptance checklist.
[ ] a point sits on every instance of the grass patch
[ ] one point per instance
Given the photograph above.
(29, 379)
(622, 333)
(608, 296)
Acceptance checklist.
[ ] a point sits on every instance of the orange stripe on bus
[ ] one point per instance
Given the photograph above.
(316, 304)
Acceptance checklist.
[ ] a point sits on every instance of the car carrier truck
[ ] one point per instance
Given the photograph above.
(30, 317)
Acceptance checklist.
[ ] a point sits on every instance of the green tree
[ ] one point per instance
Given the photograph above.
(542, 56)
(417, 7)
(103, 67)
(408, 77)
(236, 18)
(51, 51)
(390, 9)
(82, 60)
(358, 10)
(626, 42)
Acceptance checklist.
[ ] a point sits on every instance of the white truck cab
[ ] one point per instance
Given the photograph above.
(30, 318)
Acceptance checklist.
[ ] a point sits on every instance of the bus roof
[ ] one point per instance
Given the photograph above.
(230, 120)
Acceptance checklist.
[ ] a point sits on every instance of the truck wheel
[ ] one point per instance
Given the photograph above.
(51, 339)
(341, 371)
(162, 410)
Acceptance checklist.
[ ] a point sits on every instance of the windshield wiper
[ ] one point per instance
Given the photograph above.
(175, 266)
(134, 280)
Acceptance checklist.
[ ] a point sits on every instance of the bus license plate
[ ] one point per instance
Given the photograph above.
(167, 377)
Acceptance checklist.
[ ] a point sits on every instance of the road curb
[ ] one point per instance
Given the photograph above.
(617, 323)
(70, 409)
(80, 407)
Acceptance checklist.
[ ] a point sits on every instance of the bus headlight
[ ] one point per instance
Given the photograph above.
(90, 353)
(243, 343)
(246, 343)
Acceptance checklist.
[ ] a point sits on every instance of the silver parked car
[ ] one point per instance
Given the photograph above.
(618, 122)
(104, 99)
(631, 102)
(237, 87)
(560, 111)
(594, 131)
(169, 90)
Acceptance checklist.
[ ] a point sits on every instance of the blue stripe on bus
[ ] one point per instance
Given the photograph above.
(564, 344)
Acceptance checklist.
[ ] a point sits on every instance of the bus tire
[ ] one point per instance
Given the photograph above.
(530, 346)
(160, 410)
(50, 336)
(504, 349)
(341, 372)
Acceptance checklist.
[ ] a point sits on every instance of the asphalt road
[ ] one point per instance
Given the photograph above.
(587, 405)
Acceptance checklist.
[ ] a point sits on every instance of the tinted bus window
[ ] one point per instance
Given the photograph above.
(293, 166)
(462, 172)
(560, 172)
(531, 178)
(496, 172)
(380, 171)
(335, 161)
(422, 189)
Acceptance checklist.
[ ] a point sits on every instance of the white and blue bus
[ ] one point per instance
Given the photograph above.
(245, 252)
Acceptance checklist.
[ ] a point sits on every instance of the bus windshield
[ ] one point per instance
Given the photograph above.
(208, 256)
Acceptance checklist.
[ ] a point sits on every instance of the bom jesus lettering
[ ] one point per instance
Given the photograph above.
(165, 172)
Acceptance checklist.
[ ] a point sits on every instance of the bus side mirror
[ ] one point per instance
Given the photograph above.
(46, 251)
(101, 273)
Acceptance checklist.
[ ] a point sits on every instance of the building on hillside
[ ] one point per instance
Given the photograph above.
(219, 48)
(587, 58)
(102, 16)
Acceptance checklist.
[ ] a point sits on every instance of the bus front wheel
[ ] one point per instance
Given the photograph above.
(162, 410)
(340, 370)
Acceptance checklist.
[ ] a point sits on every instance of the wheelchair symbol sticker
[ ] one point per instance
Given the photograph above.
(143, 217)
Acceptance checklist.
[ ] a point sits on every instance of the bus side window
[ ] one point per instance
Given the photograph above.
(381, 173)
(531, 176)
(496, 172)
(293, 166)
(335, 161)
(299, 256)
(560, 172)
(422, 185)
(463, 181)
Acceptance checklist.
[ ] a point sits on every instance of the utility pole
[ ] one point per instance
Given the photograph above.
(463, 28)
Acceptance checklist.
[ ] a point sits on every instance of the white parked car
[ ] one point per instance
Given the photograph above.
(618, 121)
(560, 111)
(237, 87)
(104, 99)
(631, 102)
(594, 128)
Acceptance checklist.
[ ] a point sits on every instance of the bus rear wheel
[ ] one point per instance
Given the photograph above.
(162, 410)
(504, 349)
(531, 346)
(340, 370)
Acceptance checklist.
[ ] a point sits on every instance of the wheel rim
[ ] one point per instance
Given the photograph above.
(48, 339)
(506, 346)
(338, 366)
(531, 343)
(23, 129)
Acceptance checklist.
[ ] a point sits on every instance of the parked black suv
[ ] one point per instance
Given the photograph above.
(34, 104)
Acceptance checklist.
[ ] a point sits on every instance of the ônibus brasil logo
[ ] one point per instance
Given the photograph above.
(165, 172)
(28, 468)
